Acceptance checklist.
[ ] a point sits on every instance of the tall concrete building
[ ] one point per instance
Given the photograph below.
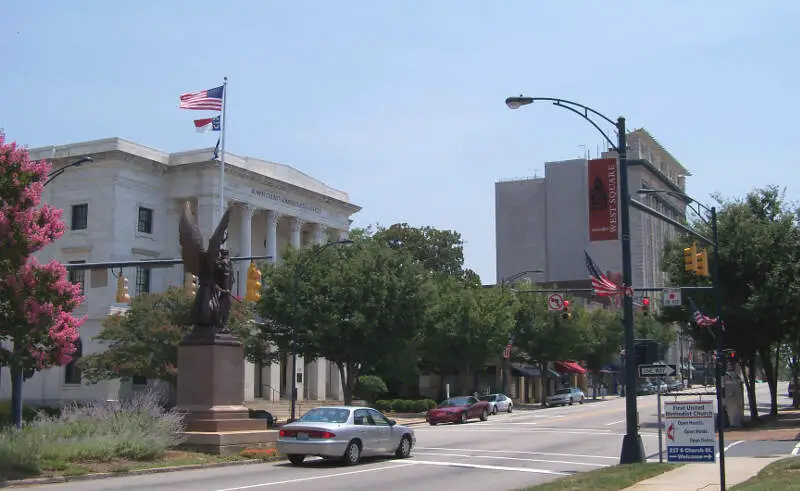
(543, 223)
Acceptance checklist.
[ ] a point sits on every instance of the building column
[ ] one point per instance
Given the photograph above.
(245, 245)
(317, 379)
(344, 234)
(207, 215)
(335, 391)
(272, 235)
(296, 225)
(320, 234)
(271, 381)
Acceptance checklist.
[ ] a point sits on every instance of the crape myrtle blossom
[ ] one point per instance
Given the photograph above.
(36, 300)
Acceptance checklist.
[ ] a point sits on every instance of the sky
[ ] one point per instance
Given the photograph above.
(401, 104)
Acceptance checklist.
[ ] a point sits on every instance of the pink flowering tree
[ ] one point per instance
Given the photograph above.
(37, 328)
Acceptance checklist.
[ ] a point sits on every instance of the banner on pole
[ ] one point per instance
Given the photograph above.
(603, 200)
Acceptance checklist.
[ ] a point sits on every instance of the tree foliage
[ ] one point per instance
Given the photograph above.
(36, 300)
(759, 259)
(353, 305)
(144, 340)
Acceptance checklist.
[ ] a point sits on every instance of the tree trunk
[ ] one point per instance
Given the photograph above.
(545, 381)
(348, 374)
(766, 361)
(17, 379)
(750, 384)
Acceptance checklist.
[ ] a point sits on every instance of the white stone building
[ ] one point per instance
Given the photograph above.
(126, 204)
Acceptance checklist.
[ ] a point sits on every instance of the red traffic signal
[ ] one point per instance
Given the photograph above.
(646, 302)
(566, 304)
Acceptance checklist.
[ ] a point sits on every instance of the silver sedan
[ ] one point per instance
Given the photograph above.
(346, 433)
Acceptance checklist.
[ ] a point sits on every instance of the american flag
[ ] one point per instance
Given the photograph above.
(700, 318)
(507, 351)
(602, 286)
(210, 100)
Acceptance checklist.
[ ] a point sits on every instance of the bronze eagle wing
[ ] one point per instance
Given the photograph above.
(218, 237)
(191, 240)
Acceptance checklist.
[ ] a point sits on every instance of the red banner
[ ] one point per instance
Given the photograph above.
(603, 200)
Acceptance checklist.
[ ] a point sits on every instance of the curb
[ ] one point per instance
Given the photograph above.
(135, 472)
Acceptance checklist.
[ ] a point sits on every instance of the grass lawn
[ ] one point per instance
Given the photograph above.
(55, 468)
(611, 478)
(783, 475)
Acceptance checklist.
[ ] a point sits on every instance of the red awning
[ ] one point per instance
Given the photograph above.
(569, 367)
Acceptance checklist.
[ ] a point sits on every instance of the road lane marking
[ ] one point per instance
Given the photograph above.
(500, 457)
(315, 478)
(582, 431)
(488, 467)
(731, 445)
(796, 449)
(519, 452)
(616, 422)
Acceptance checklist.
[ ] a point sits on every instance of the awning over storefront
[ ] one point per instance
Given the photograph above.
(569, 367)
(525, 370)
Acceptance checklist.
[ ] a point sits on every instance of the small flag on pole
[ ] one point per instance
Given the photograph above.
(207, 124)
(507, 351)
(209, 100)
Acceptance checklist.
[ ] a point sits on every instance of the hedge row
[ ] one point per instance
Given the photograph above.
(405, 405)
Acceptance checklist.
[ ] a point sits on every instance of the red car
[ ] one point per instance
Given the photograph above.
(459, 410)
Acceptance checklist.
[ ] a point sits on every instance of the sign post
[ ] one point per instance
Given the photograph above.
(672, 297)
(690, 431)
(555, 302)
(659, 371)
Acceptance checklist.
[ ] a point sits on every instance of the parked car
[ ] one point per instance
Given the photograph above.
(346, 433)
(498, 402)
(645, 388)
(458, 410)
(565, 396)
(674, 385)
(660, 386)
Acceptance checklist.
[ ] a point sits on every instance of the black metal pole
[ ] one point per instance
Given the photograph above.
(720, 365)
(294, 341)
(632, 448)
(18, 378)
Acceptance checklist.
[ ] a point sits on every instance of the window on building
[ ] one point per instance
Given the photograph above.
(72, 374)
(145, 220)
(142, 281)
(78, 276)
(80, 216)
(139, 380)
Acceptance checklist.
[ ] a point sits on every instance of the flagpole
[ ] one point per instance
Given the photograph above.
(222, 148)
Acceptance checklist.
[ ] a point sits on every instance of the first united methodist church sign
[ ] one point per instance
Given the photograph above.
(285, 201)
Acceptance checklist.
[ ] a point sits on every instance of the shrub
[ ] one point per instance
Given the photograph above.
(369, 387)
(405, 405)
(139, 429)
(260, 453)
(28, 413)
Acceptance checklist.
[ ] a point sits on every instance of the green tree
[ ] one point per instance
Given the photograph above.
(439, 251)
(144, 340)
(354, 306)
(759, 259)
(467, 326)
(603, 339)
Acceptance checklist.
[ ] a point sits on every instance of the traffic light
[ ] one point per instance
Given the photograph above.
(122, 289)
(566, 314)
(190, 283)
(702, 263)
(690, 258)
(253, 293)
(645, 306)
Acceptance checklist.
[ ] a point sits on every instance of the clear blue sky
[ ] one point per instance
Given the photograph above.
(401, 103)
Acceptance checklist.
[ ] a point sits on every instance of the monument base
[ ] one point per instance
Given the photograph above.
(211, 391)
(227, 443)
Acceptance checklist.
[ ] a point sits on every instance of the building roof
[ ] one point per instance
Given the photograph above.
(279, 172)
(665, 155)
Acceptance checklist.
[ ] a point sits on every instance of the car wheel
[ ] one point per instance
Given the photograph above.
(570, 401)
(494, 409)
(581, 401)
(463, 418)
(510, 407)
(432, 423)
(352, 454)
(484, 415)
(296, 459)
(404, 449)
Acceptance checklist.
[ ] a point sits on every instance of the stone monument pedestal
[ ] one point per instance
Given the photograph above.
(210, 395)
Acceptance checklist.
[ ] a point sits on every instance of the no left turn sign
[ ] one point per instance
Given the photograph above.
(555, 302)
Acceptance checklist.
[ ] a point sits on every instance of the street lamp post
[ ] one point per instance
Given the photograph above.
(297, 269)
(503, 283)
(17, 374)
(719, 371)
(632, 448)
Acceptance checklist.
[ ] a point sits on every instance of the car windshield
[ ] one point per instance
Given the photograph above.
(563, 391)
(491, 398)
(455, 402)
(325, 415)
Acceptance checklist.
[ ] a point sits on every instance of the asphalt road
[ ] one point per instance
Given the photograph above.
(509, 451)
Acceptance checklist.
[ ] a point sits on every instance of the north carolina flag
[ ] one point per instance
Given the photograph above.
(207, 124)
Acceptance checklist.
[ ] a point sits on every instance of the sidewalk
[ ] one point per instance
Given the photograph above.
(692, 477)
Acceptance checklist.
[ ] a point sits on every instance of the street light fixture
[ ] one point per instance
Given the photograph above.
(719, 371)
(632, 448)
(60, 171)
(297, 270)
